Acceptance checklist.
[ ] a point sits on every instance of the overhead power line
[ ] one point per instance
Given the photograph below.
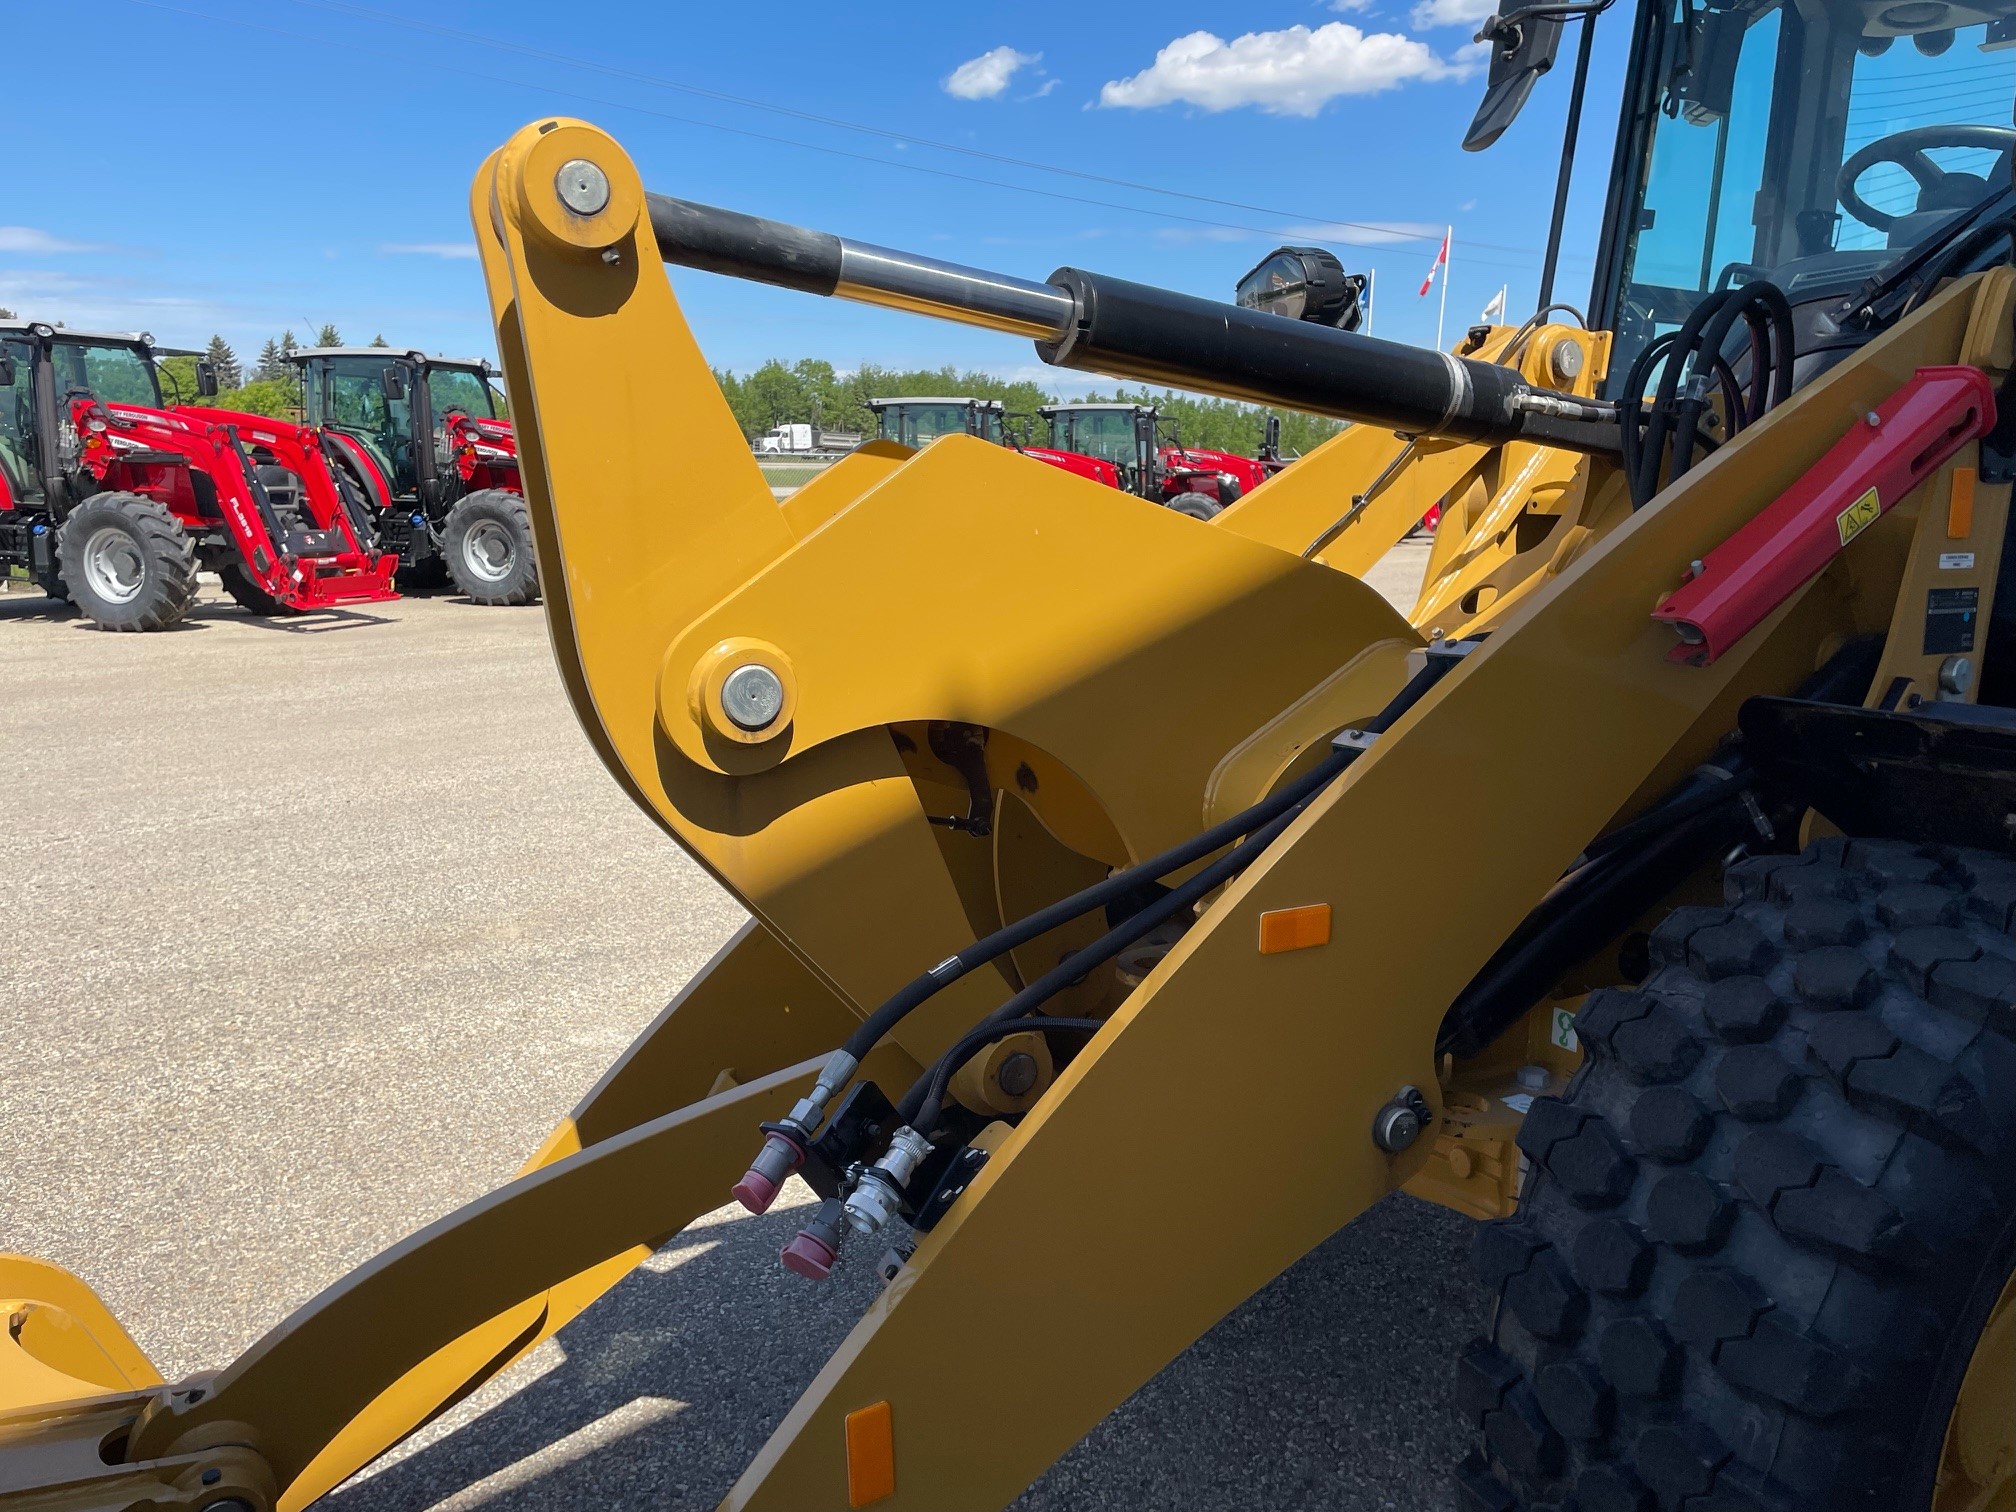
(1387, 234)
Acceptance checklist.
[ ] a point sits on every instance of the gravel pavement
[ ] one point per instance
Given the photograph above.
(317, 927)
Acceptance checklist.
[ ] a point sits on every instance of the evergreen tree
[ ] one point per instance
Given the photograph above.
(287, 345)
(327, 337)
(6, 314)
(269, 362)
(380, 341)
(225, 361)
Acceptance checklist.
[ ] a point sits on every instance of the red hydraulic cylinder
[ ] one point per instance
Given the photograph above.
(1884, 456)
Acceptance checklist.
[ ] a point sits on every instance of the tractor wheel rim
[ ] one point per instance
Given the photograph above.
(113, 566)
(488, 552)
(1977, 1470)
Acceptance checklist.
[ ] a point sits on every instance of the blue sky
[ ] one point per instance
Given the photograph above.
(240, 166)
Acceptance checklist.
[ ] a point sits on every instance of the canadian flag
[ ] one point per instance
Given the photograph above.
(1441, 262)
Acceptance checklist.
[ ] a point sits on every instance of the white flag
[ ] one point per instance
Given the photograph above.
(1496, 309)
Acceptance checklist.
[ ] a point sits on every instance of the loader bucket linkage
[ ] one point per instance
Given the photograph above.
(1205, 838)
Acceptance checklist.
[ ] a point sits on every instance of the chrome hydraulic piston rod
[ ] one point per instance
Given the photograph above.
(1137, 332)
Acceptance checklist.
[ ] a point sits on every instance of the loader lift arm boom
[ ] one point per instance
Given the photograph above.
(1137, 708)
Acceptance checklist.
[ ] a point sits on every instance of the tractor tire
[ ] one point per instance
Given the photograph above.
(248, 595)
(487, 541)
(1197, 506)
(127, 562)
(1767, 1222)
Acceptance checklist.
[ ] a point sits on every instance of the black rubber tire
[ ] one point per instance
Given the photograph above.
(167, 562)
(519, 579)
(1197, 506)
(248, 595)
(1764, 1225)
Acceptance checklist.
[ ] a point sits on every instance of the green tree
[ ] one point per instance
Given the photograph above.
(287, 345)
(6, 314)
(178, 380)
(379, 341)
(268, 365)
(225, 361)
(328, 337)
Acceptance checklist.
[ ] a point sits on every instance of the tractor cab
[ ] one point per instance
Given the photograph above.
(1832, 150)
(919, 422)
(392, 409)
(1121, 434)
(420, 436)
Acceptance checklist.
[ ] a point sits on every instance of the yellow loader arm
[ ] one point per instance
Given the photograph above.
(981, 685)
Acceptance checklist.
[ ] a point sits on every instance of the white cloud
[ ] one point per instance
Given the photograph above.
(1293, 72)
(455, 250)
(32, 239)
(987, 76)
(1348, 6)
(1452, 12)
(1048, 85)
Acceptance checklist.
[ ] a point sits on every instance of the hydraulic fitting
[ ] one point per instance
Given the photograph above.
(874, 1202)
(782, 1153)
(784, 1147)
(817, 1245)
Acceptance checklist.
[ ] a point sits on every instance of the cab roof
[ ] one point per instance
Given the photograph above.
(936, 399)
(388, 354)
(124, 338)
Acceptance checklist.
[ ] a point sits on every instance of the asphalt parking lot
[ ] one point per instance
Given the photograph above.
(314, 929)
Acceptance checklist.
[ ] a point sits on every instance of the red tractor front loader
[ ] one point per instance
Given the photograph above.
(114, 500)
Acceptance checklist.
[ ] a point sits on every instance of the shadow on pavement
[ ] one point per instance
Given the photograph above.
(1327, 1392)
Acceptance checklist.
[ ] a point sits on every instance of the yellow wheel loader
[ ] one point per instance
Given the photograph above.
(1134, 902)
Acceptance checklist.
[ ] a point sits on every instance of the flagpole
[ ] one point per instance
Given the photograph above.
(1371, 299)
(1448, 257)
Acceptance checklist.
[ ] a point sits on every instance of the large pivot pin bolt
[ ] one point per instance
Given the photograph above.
(752, 696)
(582, 187)
(1400, 1122)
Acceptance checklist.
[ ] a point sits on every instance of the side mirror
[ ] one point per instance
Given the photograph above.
(6, 371)
(206, 379)
(1524, 46)
(1704, 88)
(395, 384)
(1305, 283)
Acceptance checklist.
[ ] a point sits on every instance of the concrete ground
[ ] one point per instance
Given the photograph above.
(316, 926)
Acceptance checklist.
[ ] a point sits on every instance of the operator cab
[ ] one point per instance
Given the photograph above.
(1123, 434)
(1816, 145)
(917, 422)
(384, 399)
(40, 367)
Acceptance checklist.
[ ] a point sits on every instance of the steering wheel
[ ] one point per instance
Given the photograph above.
(1907, 149)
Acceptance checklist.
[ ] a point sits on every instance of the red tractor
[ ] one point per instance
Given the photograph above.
(424, 440)
(915, 422)
(1192, 480)
(113, 500)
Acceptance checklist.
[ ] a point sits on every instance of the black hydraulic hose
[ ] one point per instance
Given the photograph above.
(1711, 787)
(1579, 917)
(921, 989)
(926, 1097)
(1117, 939)
(1296, 793)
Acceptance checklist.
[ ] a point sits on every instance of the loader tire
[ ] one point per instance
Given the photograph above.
(248, 595)
(1766, 1224)
(487, 541)
(127, 562)
(1197, 506)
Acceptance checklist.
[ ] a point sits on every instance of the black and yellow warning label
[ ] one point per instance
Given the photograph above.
(1859, 516)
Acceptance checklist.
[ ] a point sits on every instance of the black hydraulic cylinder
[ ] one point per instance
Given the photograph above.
(1150, 335)
(1147, 335)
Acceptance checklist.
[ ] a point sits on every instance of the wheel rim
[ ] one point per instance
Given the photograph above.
(488, 552)
(1977, 1467)
(113, 566)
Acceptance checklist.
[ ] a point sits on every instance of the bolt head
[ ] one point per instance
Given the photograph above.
(1567, 359)
(1396, 1127)
(582, 186)
(752, 696)
(1956, 675)
(1017, 1073)
(1875, 420)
